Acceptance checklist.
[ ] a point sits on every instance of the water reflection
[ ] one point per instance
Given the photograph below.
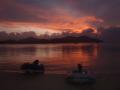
(54, 56)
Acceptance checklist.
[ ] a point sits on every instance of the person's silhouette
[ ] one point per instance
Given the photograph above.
(80, 67)
(35, 65)
(36, 62)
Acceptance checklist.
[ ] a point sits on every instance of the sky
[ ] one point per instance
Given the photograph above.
(52, 16)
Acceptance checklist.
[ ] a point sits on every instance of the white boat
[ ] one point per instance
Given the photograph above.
(80, 78)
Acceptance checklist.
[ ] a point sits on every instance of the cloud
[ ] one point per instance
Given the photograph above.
(73, 15)
(108, 10)
(111, 35)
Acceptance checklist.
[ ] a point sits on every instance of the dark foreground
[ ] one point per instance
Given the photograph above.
(17, 81)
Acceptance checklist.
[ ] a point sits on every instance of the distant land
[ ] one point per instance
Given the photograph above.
(67, 39)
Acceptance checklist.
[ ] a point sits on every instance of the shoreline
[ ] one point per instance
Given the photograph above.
(55, 43)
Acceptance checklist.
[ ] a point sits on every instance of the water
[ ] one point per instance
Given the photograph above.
(62, 58)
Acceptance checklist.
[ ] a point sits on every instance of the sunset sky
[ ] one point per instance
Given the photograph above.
(58, 15)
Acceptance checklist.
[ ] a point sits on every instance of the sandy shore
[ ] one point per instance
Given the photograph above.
(17, 81)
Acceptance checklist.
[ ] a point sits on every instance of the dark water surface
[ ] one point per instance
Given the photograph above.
(61, 58)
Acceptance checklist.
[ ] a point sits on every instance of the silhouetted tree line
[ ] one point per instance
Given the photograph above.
(64, 37)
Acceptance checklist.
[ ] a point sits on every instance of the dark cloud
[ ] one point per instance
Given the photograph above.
(105, 9)
(60, 13)
(16, 12)
(111, 35)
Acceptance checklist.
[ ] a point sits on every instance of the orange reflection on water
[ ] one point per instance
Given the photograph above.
(54, 56)
(70, 54)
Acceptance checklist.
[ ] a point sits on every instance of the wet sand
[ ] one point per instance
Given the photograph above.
(17, 81)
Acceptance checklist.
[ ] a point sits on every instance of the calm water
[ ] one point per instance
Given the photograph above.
(61, 58)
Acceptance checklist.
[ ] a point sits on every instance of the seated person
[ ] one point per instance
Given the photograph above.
(37, 66)
(36, 62)
(79, 68)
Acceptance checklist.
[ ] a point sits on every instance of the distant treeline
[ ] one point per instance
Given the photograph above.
(25, 35)
(66, 39)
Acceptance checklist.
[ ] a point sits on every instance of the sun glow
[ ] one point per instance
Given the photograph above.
(81, 29)
(57, 24)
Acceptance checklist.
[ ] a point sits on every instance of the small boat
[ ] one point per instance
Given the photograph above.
(80, 78)
(32, 68)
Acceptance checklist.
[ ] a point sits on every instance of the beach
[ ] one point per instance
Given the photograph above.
(18, 81)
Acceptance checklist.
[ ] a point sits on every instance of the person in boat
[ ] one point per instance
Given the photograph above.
(80, 68)
(80, 76)
(36, 62)
(34, 67)
(37, 66)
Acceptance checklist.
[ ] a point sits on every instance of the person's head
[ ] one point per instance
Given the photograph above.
(36, 62)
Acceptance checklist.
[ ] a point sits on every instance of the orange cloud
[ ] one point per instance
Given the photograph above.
(57, 19)
(60, 23)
